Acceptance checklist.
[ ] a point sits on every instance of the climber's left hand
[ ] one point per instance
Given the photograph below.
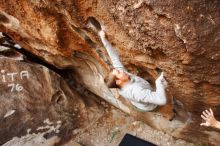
(102, 34)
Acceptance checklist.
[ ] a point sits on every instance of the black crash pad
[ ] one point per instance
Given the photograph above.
(130, 140)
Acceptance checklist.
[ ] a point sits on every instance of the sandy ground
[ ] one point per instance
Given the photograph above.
(107, 131)
(110, 129)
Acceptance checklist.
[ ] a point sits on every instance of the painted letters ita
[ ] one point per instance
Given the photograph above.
(11, 79)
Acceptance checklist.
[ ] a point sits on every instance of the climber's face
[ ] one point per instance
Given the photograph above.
(121, 77)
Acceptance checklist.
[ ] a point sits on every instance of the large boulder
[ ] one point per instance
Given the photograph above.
(37, 103)
(179, 37)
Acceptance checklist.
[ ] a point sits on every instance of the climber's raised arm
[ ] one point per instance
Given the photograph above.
(111, 52)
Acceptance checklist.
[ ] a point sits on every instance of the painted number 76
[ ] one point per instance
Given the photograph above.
(15, 87)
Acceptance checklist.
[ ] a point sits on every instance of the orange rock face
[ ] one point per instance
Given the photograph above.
(179, 37)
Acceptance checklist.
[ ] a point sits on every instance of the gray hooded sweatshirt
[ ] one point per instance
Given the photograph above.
(137, 90)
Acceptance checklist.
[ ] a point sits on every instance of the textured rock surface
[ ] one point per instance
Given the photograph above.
(110, 129)
(35, 100)
(179, 37)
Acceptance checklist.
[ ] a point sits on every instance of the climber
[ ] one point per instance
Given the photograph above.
(210, 120)
(132, 87)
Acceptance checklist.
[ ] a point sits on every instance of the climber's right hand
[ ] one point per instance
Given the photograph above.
(102, 34)
(161, 81)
